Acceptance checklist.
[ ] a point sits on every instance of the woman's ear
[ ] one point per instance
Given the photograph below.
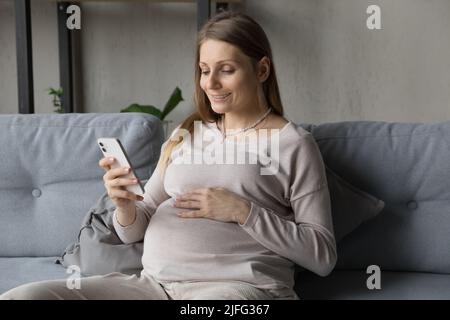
(263, 69)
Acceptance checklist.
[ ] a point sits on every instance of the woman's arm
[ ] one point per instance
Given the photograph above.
(154, 195)
(309, 240)
(306, 242)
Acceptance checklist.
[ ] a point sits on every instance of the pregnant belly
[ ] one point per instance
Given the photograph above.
(167, 233)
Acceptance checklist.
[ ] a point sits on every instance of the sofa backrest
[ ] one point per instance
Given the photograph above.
(50, 175)
(408, 166)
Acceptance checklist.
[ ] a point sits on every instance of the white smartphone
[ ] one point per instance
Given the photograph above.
(111, 147)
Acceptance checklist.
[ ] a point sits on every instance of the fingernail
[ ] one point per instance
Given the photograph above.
(110, 159)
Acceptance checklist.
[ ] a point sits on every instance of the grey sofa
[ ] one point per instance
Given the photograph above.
(50, 178)
(407, 166)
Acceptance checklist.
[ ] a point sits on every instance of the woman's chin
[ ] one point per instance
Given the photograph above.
(219, 108)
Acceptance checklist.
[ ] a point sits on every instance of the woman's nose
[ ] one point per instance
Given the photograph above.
(213, 82)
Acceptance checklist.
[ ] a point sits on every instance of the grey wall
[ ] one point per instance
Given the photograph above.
(45, 55)
(8, 74)
(330, 66)
(138, 53)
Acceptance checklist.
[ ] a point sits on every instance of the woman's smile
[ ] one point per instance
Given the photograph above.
(219, 98)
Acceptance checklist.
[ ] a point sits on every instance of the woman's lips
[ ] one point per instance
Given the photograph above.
(220, 98)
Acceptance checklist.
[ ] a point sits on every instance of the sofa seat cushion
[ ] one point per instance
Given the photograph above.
(21, 270)
(351, 285)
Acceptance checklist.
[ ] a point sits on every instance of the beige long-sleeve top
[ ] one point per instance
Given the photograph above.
(289, 222)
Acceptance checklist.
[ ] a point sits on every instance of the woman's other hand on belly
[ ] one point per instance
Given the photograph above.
(214, 203)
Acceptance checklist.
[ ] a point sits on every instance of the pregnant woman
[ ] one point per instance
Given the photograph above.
(215, 221)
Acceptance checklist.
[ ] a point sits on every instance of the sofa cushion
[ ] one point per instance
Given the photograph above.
(50, 173)
(407, 165)
(352, 285)
(98, 249)
(17, 271)
(350, 206)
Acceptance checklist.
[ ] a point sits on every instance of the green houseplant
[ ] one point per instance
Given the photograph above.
(174, 99)
(56, 93)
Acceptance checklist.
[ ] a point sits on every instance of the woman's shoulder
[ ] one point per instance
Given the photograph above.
(275, 121)
(287, 129)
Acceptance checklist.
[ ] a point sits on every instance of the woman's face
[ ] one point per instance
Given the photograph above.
(227, 77)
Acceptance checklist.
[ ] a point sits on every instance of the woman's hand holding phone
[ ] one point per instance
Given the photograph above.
(115, 185)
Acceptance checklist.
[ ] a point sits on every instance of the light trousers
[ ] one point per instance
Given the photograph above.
(119, 286)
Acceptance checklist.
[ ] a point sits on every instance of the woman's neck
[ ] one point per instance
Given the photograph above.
(239, 120)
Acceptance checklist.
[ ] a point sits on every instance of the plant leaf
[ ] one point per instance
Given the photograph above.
(55, 92)
(173, 101)
(145, 109)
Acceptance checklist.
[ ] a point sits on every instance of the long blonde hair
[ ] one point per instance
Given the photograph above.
(243, 32)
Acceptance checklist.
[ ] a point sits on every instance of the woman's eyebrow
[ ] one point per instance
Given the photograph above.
(221, 61)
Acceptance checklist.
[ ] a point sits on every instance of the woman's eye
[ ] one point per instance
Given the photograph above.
(224, 71)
